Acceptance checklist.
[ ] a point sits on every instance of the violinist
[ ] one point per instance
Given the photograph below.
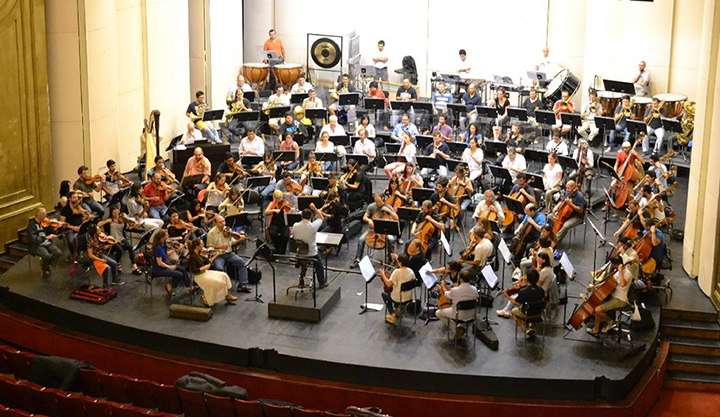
(557, 145)
(658, 211)
(217, 191)
(354, 183)
(289, 144)
(312, 168)
(233, 204)
(114, 180)
(288, 187)
(543, 246)
(473, 157)
(441, 152)
(73, 214)
(400, 275)
(375, 210)
(656, 238)
(574, 199)
(266, 167)
(156, 194)
(617, 300)
(364, 146)
(463, 292)
(216, 285)
(222, 239)
(167, 176)
(421, 227)
(451, 271)
(105, 265)
(334, 186)
(179, 229)
(623, 112)
(489, 208)
(231, 170)
(444, 203)
(137, 209)
(333, 214)
(198, 164)
(661, 172)
(161, 266)
(115, 224)
(86, 185)
(278, 231)
(40, 243)
(461, 188)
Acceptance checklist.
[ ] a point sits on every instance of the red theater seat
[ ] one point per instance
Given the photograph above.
(166, 398)
(113, 387)
(46, 401)
(271, 410)
(90, 383)
(219, 406)
(139, 392)
(18, 362)
(193, 403)
(21, 395)
(96, 408)
(304, 412)
(247, 408)
(71, 405)
(121, 410)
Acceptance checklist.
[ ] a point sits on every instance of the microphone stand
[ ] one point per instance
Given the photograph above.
(258, 297)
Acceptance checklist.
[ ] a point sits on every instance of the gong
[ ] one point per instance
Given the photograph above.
(325, 53)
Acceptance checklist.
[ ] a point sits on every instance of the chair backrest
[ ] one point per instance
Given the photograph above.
(219, 406)
(270, 410)
(96, 407)
(166, 398)
(45, 401)
(71, 405)
(304, 412)
(18, 362)
(90, 383)
(20, 396)
(120, 410)
(466, 305)
(139, 392)
(409, 285)
(252, 197)
(298, 247)
(4, 367)
(114, 387)
(535, 308)
(247, 408)
(193, 403)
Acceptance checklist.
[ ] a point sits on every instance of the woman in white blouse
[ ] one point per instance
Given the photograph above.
(552, 180)
(408, 150)
(369, 128)
(324, 145)
(473, 157)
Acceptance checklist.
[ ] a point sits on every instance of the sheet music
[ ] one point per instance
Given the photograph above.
(567, 266)
(445, 243)
(366, 268)
(427, 275)
(504, 251)
(490, 276)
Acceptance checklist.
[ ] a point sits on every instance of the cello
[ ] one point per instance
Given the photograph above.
(510, 216)
(520, 242)
(599, 293)
(376, 240)
(425, 232)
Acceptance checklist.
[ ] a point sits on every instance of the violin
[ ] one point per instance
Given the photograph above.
(93, 180)
(107, 239)
(54, 223)
(235, 235)
(294, 188)
(346, 176)
(237, 169)
(470, 250)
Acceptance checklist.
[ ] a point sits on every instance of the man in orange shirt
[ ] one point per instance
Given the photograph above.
(275, 44)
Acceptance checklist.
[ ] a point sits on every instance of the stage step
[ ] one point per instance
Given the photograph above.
(694, 363)
(690, 328)
(22, 236)
(16, 248)
(672, 314)
(693, 346)
(692, 380)
(7, 261)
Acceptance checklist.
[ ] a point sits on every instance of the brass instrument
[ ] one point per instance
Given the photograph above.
(627, 111)
(592, 108)
(199, 111)
(236, 107)
(687, 123)
(564, 105)
(275, 102)
(300, 115)
(335, 95)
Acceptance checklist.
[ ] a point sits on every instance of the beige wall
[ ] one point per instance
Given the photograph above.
(685, 52)
(226, 48)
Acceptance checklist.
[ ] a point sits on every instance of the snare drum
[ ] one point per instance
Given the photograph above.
(609, 101)
(565, 80)
(640, 104)
(287, 74)
(255, 73)
(672, 104)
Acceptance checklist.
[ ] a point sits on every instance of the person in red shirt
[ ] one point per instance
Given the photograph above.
(274, 44)
(156, 195)
(627, 151)
(564, 105)
(375, 92)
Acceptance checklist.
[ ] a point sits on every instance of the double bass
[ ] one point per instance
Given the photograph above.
(629, 175)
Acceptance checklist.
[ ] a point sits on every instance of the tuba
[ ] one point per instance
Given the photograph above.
(687, 123)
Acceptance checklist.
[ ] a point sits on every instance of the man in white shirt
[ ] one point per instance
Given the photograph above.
(251, 145)
(482, 252)
(557, 145)
(278, 99)
(333, 127)
(306, 231)
(190, 136)
(589, 110)
(463, 64)
(547, 66)
(301, 86)
(223, 241)
(514, 163)
(642, 81)
(463, 292)
(241, 85)
(380, 60)
(364, 146)
(487, 205)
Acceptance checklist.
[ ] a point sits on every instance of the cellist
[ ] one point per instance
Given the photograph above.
(536, 220)
(444, 203)
(573, 204)
(627, 160)
(489, 208)
(461, 188)
(427, 228)
(374, 211)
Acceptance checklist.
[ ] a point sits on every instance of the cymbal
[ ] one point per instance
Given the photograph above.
(325, 52)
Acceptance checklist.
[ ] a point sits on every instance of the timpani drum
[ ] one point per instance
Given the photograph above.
(609, 101)
(256, 73)
(287, 74)
(565, 80)
(672, 104)
(640, 104)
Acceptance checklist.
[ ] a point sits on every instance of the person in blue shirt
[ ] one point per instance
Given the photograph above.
(161, 267)
(537, 219)
(472, 132)
(471, 99)
(441, 98)
(405, 126)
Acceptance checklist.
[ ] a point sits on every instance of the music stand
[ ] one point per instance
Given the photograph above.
(270, 56)
(567, 163)
(536, 155)
(387, 227)
(500, 172)
(174, 142)
(304, 201)
(366, 70)
(284, 156)
(340, 140)
(423, 141)
(546, 118)
(408, 214)
(117, 198)
(429, 162)
(298, 98)
(619, 87)
(349, 99)
(319, 183)
(315, 114)
(635, 127)
(572, 119)
(189, 181)
(671, 125)
(240, 219)
(401, 105)
(250, 95)
(424, 105)
(490, 280)
(536, 75)
(422, 194)
(250, 160)
(494, 147)
(374, 104)
(602, 239)
(457, 148)
(605, 125)
(247, 116)
(262, 181)
(291, 218)
(455, 109)
(453, 163)
(326, 156)
(392, 148)
(537, 181)
(612, 205)
(211, 115)
(518, 113)
(514, 205)
(486, 111)
(361, 159)
(278, 112)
